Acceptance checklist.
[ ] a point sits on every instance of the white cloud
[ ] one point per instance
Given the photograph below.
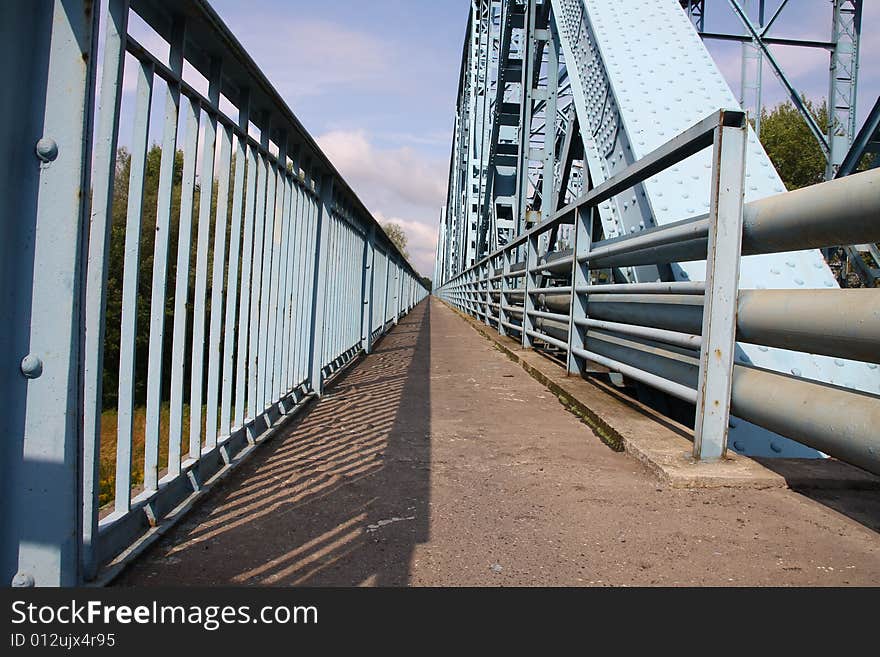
(396, 184)
(404, 171)
(421, 241)
(310, 57)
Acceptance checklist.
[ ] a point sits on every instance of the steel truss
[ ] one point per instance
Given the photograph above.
(584, 89)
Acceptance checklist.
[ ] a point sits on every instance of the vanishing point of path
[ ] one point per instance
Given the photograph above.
(438, 461)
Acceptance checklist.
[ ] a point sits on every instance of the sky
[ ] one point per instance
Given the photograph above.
(375, 83)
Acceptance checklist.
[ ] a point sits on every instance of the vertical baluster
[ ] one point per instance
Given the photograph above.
(255, 366)
(354, 290)
(128, 326)
(181, 288)
(264, 371)
(298, 221)
(104, 159)
(277, 257)
(248, 265)
(328, 303)
(307, 269)
(160, 261)
(206, 185)
(237, 262)
(282, 324)
(367, 290)
(219, 267)
(320, 281)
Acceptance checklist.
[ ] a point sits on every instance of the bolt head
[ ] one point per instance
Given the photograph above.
(23, 580)
(31, 366)
(47, 149)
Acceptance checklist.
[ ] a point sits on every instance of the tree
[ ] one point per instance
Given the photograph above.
(791, 146)
(397, 235)
(116, 267)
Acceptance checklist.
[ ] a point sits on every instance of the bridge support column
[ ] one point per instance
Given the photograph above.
(47, 56)
(722, 281)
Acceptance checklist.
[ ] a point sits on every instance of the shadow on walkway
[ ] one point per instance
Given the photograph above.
(342, 499)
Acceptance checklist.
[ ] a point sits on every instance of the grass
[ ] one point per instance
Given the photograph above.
(109, 424)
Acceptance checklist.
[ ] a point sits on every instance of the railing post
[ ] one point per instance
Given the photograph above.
(385, 294)
(396, 293)
(104, 158)
(367, 287)
(46, 140)
(319, 281)
(580, 276)
(486, 291)
(530, 282)
(722, 280)
(502, 297)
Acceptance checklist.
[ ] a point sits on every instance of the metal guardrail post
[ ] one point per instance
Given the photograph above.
(580, 275)
(478, 293)
(530, 281)
(722, 281)
(485, 287)
(384, 317)
(319, 282)
(46, 141)
(96, 274)
(367, 286)
(502, 298)
(396, 293)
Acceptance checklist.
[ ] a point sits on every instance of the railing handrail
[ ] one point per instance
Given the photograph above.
(208, 35)
(823, 322)
(241, 331)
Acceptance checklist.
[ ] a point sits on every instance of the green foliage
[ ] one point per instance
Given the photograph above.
(397, 235)
(791, 146)
(116, 271)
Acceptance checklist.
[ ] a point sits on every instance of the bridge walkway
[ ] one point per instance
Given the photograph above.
(438, 461)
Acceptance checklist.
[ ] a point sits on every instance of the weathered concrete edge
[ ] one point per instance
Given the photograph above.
(664, 452)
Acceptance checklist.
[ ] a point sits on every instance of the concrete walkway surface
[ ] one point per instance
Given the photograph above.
(437, 461)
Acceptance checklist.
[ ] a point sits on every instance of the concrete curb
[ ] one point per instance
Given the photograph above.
(661, 444)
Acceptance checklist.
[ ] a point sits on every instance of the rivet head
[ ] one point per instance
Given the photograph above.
(31, 366)
(23, 580)
(47, 149)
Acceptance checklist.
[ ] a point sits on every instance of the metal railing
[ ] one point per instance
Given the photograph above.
(250, 274)
(680, 337)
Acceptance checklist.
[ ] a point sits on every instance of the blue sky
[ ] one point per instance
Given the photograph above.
(375, 83)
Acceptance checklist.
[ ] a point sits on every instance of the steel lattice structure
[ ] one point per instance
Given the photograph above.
(584, 91)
